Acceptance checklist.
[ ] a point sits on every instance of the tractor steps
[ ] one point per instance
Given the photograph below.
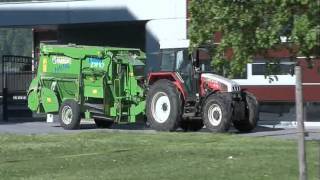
(189, 111)
(94, 106)
(102, 118)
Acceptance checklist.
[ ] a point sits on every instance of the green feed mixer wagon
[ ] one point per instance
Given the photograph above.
(100, 83)
(109, 86)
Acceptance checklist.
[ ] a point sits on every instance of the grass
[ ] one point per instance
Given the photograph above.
(101, 155)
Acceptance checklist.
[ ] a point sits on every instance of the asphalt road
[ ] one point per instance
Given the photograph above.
(39, 126)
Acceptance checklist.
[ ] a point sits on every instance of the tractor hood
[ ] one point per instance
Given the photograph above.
(231, 86)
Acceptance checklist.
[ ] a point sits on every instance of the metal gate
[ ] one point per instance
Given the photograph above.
(16, 74)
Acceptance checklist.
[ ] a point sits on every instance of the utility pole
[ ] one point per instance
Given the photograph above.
(300, 121)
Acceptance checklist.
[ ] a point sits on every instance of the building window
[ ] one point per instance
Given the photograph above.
(282, 68)
(243, 75)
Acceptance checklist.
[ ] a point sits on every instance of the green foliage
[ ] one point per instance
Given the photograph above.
(254, 27)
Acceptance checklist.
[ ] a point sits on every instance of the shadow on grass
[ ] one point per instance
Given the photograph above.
(143, 126)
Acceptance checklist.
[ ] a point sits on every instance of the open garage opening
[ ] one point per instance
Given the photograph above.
(117, 34)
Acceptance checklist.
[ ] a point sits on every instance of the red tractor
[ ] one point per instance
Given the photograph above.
(185, 93)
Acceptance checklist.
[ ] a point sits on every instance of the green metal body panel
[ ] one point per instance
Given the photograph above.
(49, 100)
(33, 100)
(33, 97)
(90, 75)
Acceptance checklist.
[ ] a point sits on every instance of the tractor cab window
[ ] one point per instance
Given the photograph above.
(204, 59)
(183, 62)
(179, 59)
(167, 60)
(174, 60)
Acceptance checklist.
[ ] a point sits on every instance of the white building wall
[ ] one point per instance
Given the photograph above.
(166, 20)
(82, 11)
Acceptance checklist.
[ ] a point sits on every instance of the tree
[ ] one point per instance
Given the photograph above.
(252, 28)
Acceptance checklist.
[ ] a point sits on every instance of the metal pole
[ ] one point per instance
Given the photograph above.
(5, 98)
(300, 122)
(318, 160)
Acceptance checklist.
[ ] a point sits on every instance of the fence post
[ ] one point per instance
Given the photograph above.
(300, 122)
(5, 98)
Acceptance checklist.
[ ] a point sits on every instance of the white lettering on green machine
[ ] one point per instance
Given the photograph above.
(61, 60)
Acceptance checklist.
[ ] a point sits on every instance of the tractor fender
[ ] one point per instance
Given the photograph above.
(171, 76)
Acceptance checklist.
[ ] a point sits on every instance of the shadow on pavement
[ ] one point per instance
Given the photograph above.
(259, 129)
(22, 120)
(139, 126)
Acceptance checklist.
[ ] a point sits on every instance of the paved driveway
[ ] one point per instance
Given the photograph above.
(39, 126)
(34, 126)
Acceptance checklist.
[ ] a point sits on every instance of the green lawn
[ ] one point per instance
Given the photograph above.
(151, 156)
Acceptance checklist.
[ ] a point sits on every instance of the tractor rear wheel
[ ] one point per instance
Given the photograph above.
(216, 113)
(164, 106)
(191, 125)
(69, 115)
(251, 115)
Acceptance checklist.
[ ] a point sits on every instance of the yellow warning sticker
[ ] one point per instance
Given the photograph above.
(44, 65)
(49, 100)
(94, 91)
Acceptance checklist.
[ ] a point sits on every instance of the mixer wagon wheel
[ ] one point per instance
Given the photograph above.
(69, 114)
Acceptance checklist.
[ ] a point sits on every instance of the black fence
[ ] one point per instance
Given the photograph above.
(16, 76)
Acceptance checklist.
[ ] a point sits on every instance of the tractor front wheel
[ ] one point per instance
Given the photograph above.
(216, 113)
(251, 115)
(69, 115)
(164, 106)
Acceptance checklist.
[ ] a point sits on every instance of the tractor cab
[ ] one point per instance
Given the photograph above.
(178, 61)
(194, 72)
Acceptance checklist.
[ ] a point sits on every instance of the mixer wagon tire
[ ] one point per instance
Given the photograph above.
(191, 125)
(69, 115)
(216, 113)
(251, 116)
(100, 123)
(164, 106)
